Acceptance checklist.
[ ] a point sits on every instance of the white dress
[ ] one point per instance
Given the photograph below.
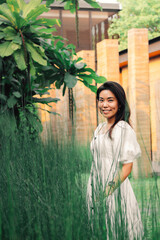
(121, 208)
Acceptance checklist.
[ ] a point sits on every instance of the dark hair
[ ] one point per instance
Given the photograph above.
(124, 111)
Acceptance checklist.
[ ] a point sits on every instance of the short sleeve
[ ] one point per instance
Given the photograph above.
(130, 149)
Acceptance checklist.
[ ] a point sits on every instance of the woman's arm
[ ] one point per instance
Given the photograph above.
(123, 173)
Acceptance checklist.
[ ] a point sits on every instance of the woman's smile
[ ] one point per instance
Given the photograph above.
(106, 111)
(108, 105)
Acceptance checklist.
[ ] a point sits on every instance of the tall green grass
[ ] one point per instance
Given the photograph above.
(43, 190)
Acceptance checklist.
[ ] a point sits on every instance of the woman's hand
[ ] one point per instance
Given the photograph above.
(108, 191)
(121, 176)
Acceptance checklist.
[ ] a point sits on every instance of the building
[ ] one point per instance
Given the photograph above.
(93, 23)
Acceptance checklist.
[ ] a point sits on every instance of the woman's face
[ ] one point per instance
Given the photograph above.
(108, 105)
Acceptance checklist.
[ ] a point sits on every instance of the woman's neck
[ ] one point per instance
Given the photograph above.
(110, 122)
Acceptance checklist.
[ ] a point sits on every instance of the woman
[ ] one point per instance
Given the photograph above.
(114, 148)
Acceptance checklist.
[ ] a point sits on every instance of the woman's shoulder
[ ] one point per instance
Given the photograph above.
(125, 127)
(100, 126)
(124, 124)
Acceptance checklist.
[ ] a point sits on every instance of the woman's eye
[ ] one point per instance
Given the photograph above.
(110, 101)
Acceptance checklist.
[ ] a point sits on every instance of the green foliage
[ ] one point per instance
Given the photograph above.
(64, 70)
(71, 4)
(49, 2)
(29, 64)
(136, 14)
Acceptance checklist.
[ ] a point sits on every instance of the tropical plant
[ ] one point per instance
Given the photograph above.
(31, 60)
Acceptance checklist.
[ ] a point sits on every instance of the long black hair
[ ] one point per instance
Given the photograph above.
(123, 112)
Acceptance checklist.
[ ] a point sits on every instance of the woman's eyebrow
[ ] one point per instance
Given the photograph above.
(107, 98)
(110, 97)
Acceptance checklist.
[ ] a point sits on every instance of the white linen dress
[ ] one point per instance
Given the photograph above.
(108, 155)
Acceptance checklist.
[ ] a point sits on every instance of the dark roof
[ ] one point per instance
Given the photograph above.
(152, 42)
(154, 47)
(157, 39)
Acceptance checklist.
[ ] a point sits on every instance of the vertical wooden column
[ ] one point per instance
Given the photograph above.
(108, 59)
(106, 27)
(139, 95)
(155, 111)
(85, 103)
(90, 30)
(99, 32)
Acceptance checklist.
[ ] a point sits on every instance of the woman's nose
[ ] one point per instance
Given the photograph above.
(105, 104)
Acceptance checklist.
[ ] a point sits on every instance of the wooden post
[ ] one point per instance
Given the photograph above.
(108, 59)
(106, 27)
(155, 111)
(99, 32)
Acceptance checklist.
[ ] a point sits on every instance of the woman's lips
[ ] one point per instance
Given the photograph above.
(106, 111)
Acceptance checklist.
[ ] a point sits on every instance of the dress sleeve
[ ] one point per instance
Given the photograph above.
(130, 149)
